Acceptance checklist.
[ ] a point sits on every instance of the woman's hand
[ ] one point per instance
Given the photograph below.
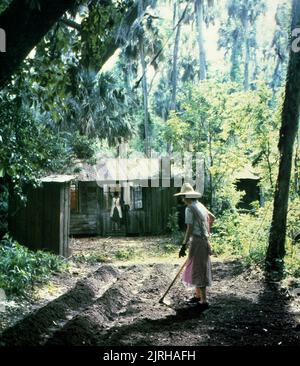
(182, 252)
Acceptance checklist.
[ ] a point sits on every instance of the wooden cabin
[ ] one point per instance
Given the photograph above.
(147, 199)
(248, 181)
(44, 223)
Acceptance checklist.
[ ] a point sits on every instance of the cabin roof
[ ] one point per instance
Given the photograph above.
(57, 178)
(117, 169)
(247, 173)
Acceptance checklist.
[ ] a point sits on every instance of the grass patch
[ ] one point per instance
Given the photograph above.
(125, 254)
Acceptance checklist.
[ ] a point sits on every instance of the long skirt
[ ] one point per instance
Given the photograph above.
(115, 216)
(198, 268)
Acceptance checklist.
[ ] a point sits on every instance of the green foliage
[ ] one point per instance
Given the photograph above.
(243, 235)
(238, 33)
(125, 254)
(175, 132)
(246, 236)
(232, 129)
(293, 221)
(172, 225)
(4, 4)
(169, 248)
(28, 148)
(82, 146)
(21, 269)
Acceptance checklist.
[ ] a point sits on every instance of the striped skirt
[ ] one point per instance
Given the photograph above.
(197, 271)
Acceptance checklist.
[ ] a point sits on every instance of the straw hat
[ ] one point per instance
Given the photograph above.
(188, 191)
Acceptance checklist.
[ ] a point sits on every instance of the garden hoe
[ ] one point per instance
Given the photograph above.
(161, 301)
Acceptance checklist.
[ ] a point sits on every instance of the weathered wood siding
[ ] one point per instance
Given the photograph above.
(44, 222)
(136, 222)
(158, 203)
(94, 218)
(86, 221)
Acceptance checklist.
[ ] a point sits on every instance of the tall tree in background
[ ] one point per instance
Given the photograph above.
(200, 38)
(203, 15)
(174, 75)
(280, 44)
(142, 48)
(288, 131)
(144, 78)
(238, 35)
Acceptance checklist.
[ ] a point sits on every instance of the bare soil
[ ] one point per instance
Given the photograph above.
(118, 304)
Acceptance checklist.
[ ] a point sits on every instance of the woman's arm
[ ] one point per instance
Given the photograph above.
(187, 236)
(188, 233)
(211, 219)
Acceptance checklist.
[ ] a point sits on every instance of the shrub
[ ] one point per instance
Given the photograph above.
(246, 236)
(242, 235)
(172, 225)
(21, 268)
(82, 146)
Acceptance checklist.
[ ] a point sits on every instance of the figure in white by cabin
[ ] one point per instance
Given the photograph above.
(116, 214)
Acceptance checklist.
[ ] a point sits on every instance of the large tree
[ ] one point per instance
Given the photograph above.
(288, 131)
(25, 23)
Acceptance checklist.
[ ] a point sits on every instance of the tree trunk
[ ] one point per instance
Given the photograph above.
(175, 57)
(145, 87)
(234, 59)
(297, 165)
(288, 131)
(276, 76)
(200, 38)
(247, 56)
(24, 26)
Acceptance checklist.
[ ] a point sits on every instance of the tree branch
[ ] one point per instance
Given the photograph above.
(165, 44)
(25, 26)
(70, 23)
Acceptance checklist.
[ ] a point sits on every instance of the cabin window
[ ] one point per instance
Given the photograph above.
(137, 197)
(74, 197)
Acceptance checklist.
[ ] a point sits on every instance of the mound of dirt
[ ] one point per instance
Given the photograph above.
(120, 306)
(35, 327)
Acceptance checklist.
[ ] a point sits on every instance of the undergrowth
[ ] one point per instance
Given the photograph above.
(21, 268)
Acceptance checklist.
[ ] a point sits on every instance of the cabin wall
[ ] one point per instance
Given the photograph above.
(158, 204)
(85, 221)
(44, 222)
(93, 217)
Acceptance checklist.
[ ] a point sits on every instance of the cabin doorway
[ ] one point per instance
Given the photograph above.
(114, 199)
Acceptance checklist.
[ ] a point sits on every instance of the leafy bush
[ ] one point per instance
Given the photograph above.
(82, 146)
(246, 236)
(242, 235)
(172, 225)
(28, 148)
(21, 268)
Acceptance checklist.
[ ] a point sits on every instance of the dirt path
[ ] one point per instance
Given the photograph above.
(118, 305)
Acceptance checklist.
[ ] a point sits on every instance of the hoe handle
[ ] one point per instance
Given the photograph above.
(172, 283)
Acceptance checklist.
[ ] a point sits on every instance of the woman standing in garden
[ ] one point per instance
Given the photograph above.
(199, 220)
